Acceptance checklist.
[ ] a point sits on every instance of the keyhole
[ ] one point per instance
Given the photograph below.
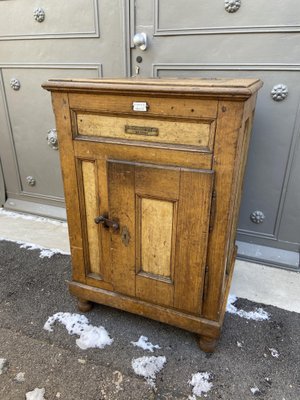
(125, 236)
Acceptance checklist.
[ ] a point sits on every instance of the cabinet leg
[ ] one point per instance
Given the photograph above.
(84, 305)
(207, 344)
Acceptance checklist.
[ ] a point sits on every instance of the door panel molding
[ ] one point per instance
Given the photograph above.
(93, 33)
(227, 29)
(156, 67)
(10, 165)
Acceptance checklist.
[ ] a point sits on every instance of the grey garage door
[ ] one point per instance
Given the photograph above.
(195, 38)
(241, 38)
(39, 40)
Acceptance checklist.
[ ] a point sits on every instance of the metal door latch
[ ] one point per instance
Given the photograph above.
(106, 222)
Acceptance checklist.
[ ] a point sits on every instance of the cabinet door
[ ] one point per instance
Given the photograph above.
(159, 254)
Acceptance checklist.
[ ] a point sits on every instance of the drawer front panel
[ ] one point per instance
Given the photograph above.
(157, 107)
(191, 133)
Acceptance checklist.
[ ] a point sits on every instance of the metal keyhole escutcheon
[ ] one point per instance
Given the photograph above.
(125, 236)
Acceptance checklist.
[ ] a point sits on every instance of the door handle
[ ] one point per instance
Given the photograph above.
(106, 222)
(140, 40)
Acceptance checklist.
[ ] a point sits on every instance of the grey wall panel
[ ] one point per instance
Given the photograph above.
(190, 17)
(76, 18)
(24, 145)
(289, 230)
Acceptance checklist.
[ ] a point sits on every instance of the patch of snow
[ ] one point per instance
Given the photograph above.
(3, 365)
(258, 314)
(254, 390)
(274, 352)
(117, 380)
(30, 217)
(36, 394)
(148, 367)
(144, 344)
(202, 384)
(44, 252)
(20, 377)
(89, 336)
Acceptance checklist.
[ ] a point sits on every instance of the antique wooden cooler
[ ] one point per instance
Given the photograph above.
(153, 173)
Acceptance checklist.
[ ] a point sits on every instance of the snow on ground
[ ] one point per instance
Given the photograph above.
(144, 344)
(3, 365)
(258, 314)
(30, 217)
(36, 394)
(89, 336)
(20, 377)
(44, 252)
(255, 390)
(201, 382)
(274, 352)
(148, 367)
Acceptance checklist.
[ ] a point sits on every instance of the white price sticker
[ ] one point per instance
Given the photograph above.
(140, 106)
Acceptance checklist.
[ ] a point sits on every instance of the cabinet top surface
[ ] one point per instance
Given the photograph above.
(240, 88)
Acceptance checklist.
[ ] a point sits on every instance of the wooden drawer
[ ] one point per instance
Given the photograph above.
(179, 132)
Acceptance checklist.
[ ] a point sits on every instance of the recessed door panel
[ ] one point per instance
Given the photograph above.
(89, 174)
(156, 223)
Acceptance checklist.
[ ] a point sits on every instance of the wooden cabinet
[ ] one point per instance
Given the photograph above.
(153, 173)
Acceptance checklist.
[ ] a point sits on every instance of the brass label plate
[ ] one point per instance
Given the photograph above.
(141, 130)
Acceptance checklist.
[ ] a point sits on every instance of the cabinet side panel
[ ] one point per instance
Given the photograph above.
(230, 119)
(243, 145)
(60, 104)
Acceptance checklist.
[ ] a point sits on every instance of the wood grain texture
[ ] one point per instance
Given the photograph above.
(156, 236)
(121, 197)
(139, 153)
(234, 89)
(229, 123)
(89, 179)
(157, 186)
(60, 103)
(193, 133)
(173, 317)
(191, 239)
(158, 106)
